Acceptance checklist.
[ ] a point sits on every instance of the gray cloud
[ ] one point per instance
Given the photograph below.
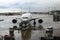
(35, 5)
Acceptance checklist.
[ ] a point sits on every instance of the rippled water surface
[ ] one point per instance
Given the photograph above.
(47, 22)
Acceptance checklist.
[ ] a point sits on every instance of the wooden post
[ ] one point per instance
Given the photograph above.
(11, 33)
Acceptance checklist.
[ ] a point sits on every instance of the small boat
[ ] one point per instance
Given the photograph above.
(2, 20)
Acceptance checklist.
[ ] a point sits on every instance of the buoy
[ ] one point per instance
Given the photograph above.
(14, 27)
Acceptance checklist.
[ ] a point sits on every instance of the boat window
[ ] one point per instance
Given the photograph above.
(25, 17)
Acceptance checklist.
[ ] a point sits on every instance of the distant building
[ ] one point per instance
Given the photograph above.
(56, 15)
(39, 12)
(7, 14)
(54, 12)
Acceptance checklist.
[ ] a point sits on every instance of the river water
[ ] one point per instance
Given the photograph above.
(35, 35)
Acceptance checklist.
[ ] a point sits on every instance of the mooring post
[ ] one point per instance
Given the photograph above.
(11, 33)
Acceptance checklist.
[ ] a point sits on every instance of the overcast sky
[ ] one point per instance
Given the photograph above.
(34, 5)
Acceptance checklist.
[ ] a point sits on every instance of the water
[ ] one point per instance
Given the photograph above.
(47, 22)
